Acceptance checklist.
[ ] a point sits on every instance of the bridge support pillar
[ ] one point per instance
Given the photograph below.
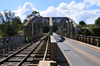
(53, 48)
(99, 42)
(50, 28)
(24, 33)
(77, 37)
(32, 32)
(85, 39)
(72, 30)
(50, 24)
(93, 41)
(77, 30)
(89, 40)
(59, 30)
(68, 28)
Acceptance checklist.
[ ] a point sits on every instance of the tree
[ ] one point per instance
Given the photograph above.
(95, 30)
(85, 31)
(25, 20)
(82, 23)
(17, 20)
(1, 18)
(45, 29)
(9, 24)
(97, 21)
(34, 14)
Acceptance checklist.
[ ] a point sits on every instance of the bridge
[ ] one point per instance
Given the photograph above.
(63, 48)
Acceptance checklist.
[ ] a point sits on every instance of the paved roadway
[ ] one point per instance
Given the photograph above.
(78, 53)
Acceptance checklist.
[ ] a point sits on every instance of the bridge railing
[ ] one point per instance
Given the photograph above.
(93, 40)
(10, 43)
(89, 39)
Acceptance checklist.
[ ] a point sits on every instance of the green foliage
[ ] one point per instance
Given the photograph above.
(97, 22)
(46, 33)
(0, 33)
(10, 24)
(34, 14)
(90, 25)
(85, 31)
(25, 20)
(54, 28)
(20, 32)
(82, 23)
(82, 29)
(95, 31)
(45, 29)
(22, 24)
(1, 43)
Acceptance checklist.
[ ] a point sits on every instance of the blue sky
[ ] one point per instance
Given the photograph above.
(86, 10)
(14, 4)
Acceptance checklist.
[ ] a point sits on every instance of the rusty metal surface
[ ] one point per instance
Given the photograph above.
(28, 21)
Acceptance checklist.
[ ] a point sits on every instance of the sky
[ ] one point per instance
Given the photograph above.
(85, 10)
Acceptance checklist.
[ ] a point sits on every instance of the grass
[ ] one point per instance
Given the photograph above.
(46, 33)
(20, 32)
(1, 43)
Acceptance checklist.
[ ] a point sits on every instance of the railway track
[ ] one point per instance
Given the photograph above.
(31, 54)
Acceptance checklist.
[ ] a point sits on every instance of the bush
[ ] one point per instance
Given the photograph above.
(9, 24)
(97, 21)
(84, 31)
(95, 31)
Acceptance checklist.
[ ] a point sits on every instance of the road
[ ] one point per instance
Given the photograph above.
(78, 53)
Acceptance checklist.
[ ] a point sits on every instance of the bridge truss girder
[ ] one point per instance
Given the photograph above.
(33, 27)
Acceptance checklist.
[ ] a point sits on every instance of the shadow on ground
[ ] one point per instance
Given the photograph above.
(61, 60)
(62, 39)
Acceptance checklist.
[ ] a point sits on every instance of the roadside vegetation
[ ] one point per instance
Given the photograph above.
(93, 29)
(11, 25)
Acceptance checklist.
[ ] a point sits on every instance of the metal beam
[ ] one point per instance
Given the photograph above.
(32, 32)
(24, 29)
(68, 28)
(50, 25)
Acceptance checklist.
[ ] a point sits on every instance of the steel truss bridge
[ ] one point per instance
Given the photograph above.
(63, 48)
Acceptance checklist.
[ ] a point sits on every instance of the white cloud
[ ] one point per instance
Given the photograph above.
(74, 6)
(88, 16)
(74, 10)
(63, 9)
(25, 10)
(91, 20)
(93, 2)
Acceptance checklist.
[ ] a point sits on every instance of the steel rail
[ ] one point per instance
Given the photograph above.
(1, 62)
(12, 55)
(21, 62)
(46, 50)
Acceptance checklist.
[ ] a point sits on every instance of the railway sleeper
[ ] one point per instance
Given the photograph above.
(33, 58)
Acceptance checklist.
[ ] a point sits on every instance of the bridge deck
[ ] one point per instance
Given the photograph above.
(78, 53)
